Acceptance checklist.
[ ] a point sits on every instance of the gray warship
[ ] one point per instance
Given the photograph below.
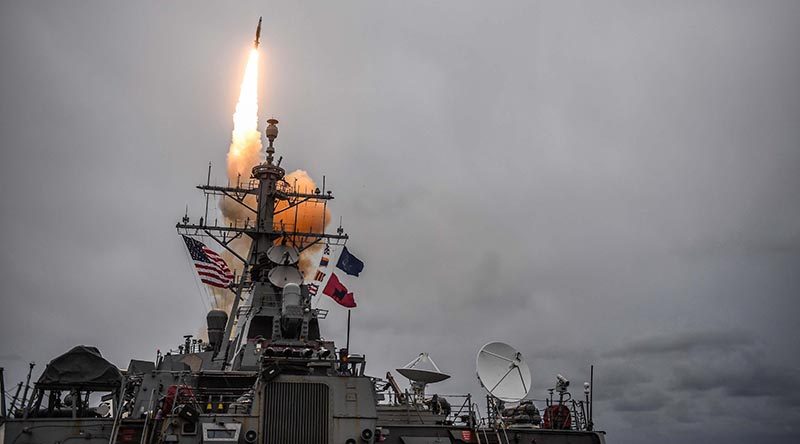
(266, 373)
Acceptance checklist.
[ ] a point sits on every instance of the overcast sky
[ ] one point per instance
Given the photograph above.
(607, 183)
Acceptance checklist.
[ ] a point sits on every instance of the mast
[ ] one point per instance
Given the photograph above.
(2, 393)
(264, 278)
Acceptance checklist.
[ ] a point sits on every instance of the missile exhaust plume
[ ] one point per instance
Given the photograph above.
(245, 150)
(243, 153)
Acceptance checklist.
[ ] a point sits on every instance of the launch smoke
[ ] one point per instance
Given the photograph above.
(307, 217)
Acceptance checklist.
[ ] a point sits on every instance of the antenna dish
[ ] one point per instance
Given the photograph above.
(285, 274)
(416, 374)
(503, 372)
(283, 255)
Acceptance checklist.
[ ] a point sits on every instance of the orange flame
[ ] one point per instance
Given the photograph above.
(245, 150)
(306, 217)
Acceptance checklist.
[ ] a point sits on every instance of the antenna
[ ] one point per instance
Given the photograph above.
(2, 393)
(420, 377)
(416, 374)
(503, 372)
(285, 274)
(208, 184)
(283, 255)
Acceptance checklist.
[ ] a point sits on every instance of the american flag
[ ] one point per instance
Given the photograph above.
(210, 266)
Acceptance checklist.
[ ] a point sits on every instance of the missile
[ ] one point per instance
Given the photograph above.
(258, 34)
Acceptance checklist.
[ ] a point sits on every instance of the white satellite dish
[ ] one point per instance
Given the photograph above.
(285, 274)
(283, 255)
(503, 372)
(415, 371)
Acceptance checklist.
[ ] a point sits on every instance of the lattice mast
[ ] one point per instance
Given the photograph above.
(264, 279)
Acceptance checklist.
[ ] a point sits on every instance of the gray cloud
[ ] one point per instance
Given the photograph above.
(694, 376)
(685, 342)
(745, 375)
(641, 401)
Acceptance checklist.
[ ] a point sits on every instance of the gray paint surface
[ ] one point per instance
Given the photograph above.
(608, 183)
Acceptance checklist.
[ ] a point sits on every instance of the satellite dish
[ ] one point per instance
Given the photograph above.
(283, 255)
(285, 274)
(503, 372)
(423, 376)
(415, 372)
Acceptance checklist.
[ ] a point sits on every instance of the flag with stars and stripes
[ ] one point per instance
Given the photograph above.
(210, 266)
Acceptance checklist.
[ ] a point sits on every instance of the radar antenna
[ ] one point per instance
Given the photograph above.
(420, 377)
(503, 372)
(283, 255)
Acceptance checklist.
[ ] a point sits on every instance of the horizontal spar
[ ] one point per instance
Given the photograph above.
(253, 230)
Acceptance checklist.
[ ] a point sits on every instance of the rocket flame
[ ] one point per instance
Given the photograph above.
(244, 153)
(245, 150)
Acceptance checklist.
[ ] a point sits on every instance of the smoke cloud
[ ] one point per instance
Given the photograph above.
(307, 217)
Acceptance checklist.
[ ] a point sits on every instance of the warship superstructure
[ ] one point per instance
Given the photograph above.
(266, 373)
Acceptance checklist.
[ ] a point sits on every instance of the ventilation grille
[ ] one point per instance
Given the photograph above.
(296, 413)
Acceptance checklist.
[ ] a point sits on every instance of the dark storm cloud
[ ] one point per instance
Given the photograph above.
(747, 376)
(611, 184)
(696, 375)
(684, 342)
(641, 401)
(622, 374)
